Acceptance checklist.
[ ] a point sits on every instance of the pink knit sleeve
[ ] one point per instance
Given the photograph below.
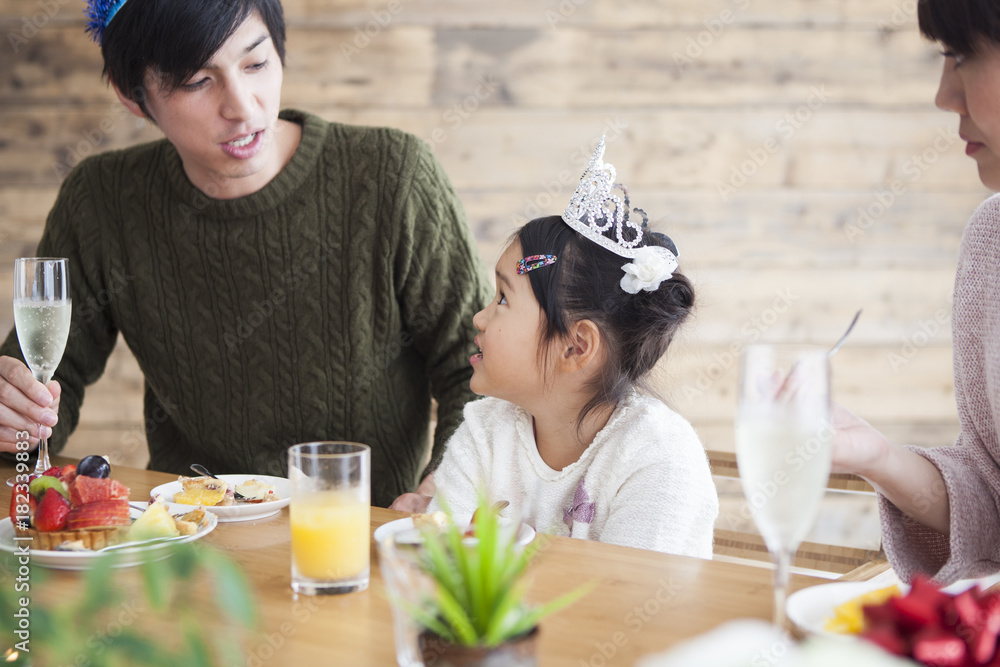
(970, 467)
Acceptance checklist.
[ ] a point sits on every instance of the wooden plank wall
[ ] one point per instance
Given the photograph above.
(790, 147)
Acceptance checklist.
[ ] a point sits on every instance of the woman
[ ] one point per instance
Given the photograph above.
(940, 507)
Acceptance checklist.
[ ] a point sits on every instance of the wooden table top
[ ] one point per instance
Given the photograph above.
(644, 601)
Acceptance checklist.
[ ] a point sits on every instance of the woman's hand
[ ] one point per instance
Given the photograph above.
(858, 447)
(24, 403)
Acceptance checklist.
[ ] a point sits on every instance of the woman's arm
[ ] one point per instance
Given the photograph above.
(906, 479)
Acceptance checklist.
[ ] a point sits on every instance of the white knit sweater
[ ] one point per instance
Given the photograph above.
(644, 481)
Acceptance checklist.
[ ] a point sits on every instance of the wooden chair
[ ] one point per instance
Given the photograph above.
(839, 560)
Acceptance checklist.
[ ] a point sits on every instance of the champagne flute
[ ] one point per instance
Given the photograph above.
(783, 447)
(42, 308)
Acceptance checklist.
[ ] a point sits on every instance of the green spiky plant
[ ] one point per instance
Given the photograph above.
(480, 583)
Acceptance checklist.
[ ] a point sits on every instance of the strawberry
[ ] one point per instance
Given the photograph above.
(98, 513)
(938, 647)
(916, 610)
(21, 497)
(52, 472)
(52, 512)
(887, 637)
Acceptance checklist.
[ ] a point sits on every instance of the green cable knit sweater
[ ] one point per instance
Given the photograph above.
(331, 304)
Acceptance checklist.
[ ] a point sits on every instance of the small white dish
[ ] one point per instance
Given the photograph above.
(525, 533)
(128, 556)
(810, 608)
(239, 511)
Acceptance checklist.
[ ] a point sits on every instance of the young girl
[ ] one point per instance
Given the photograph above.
(565, 437)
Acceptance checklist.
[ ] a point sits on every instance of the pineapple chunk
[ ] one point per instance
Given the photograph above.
(155, 522)
(200, 496)
(849, 618)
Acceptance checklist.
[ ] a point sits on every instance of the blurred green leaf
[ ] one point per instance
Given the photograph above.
(156, 582)
(234, 593)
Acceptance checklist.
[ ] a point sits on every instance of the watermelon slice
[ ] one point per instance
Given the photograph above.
(84, 490)
(98, 513)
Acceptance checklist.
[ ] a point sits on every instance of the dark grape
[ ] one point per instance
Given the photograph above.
(94, 466)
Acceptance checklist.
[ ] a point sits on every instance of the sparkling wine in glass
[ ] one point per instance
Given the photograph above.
(42, 308)
(783, 447)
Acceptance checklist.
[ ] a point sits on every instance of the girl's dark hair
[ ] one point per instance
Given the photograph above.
(583, 284)
(959, 24)
(176, 38)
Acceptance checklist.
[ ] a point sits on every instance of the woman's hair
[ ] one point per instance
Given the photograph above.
(960, 24)
(175, 38)
(583, 284)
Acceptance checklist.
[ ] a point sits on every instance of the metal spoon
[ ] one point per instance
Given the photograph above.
(843, 338)
(203, 471)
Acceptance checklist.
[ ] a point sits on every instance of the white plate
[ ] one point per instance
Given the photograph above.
(810, 608)
(239, 511)
(82, 560)
(524, 534)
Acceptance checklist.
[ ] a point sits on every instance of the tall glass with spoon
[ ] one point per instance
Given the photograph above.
(783, 447)
(42, 308)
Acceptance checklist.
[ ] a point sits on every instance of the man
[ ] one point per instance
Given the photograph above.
(280, 279)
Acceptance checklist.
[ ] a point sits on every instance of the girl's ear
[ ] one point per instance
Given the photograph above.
(581, 346)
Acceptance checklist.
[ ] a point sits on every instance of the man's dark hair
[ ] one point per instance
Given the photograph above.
(175, 38)
(960, 24)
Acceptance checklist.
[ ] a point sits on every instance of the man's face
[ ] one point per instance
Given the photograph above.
(223, 121)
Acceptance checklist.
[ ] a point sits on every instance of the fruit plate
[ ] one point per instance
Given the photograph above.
(128, 556)
(810, 608)
(524, 534)
(239, 511)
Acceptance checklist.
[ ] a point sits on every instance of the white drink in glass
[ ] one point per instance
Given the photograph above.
(42, 309)
(783, 447)
(42, 329)
(784, 469)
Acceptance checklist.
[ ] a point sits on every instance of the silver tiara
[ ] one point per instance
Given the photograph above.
(595, 210)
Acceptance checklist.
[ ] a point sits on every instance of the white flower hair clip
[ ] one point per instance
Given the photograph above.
(648, 269)
(595, 209)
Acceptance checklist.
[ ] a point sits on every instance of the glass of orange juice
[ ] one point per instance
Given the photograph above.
(330, 513)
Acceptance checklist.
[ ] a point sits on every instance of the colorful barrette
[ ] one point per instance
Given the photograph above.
(534, 262)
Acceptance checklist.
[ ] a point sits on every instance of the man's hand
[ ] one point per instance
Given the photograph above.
(416, 502)
(24, 404)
